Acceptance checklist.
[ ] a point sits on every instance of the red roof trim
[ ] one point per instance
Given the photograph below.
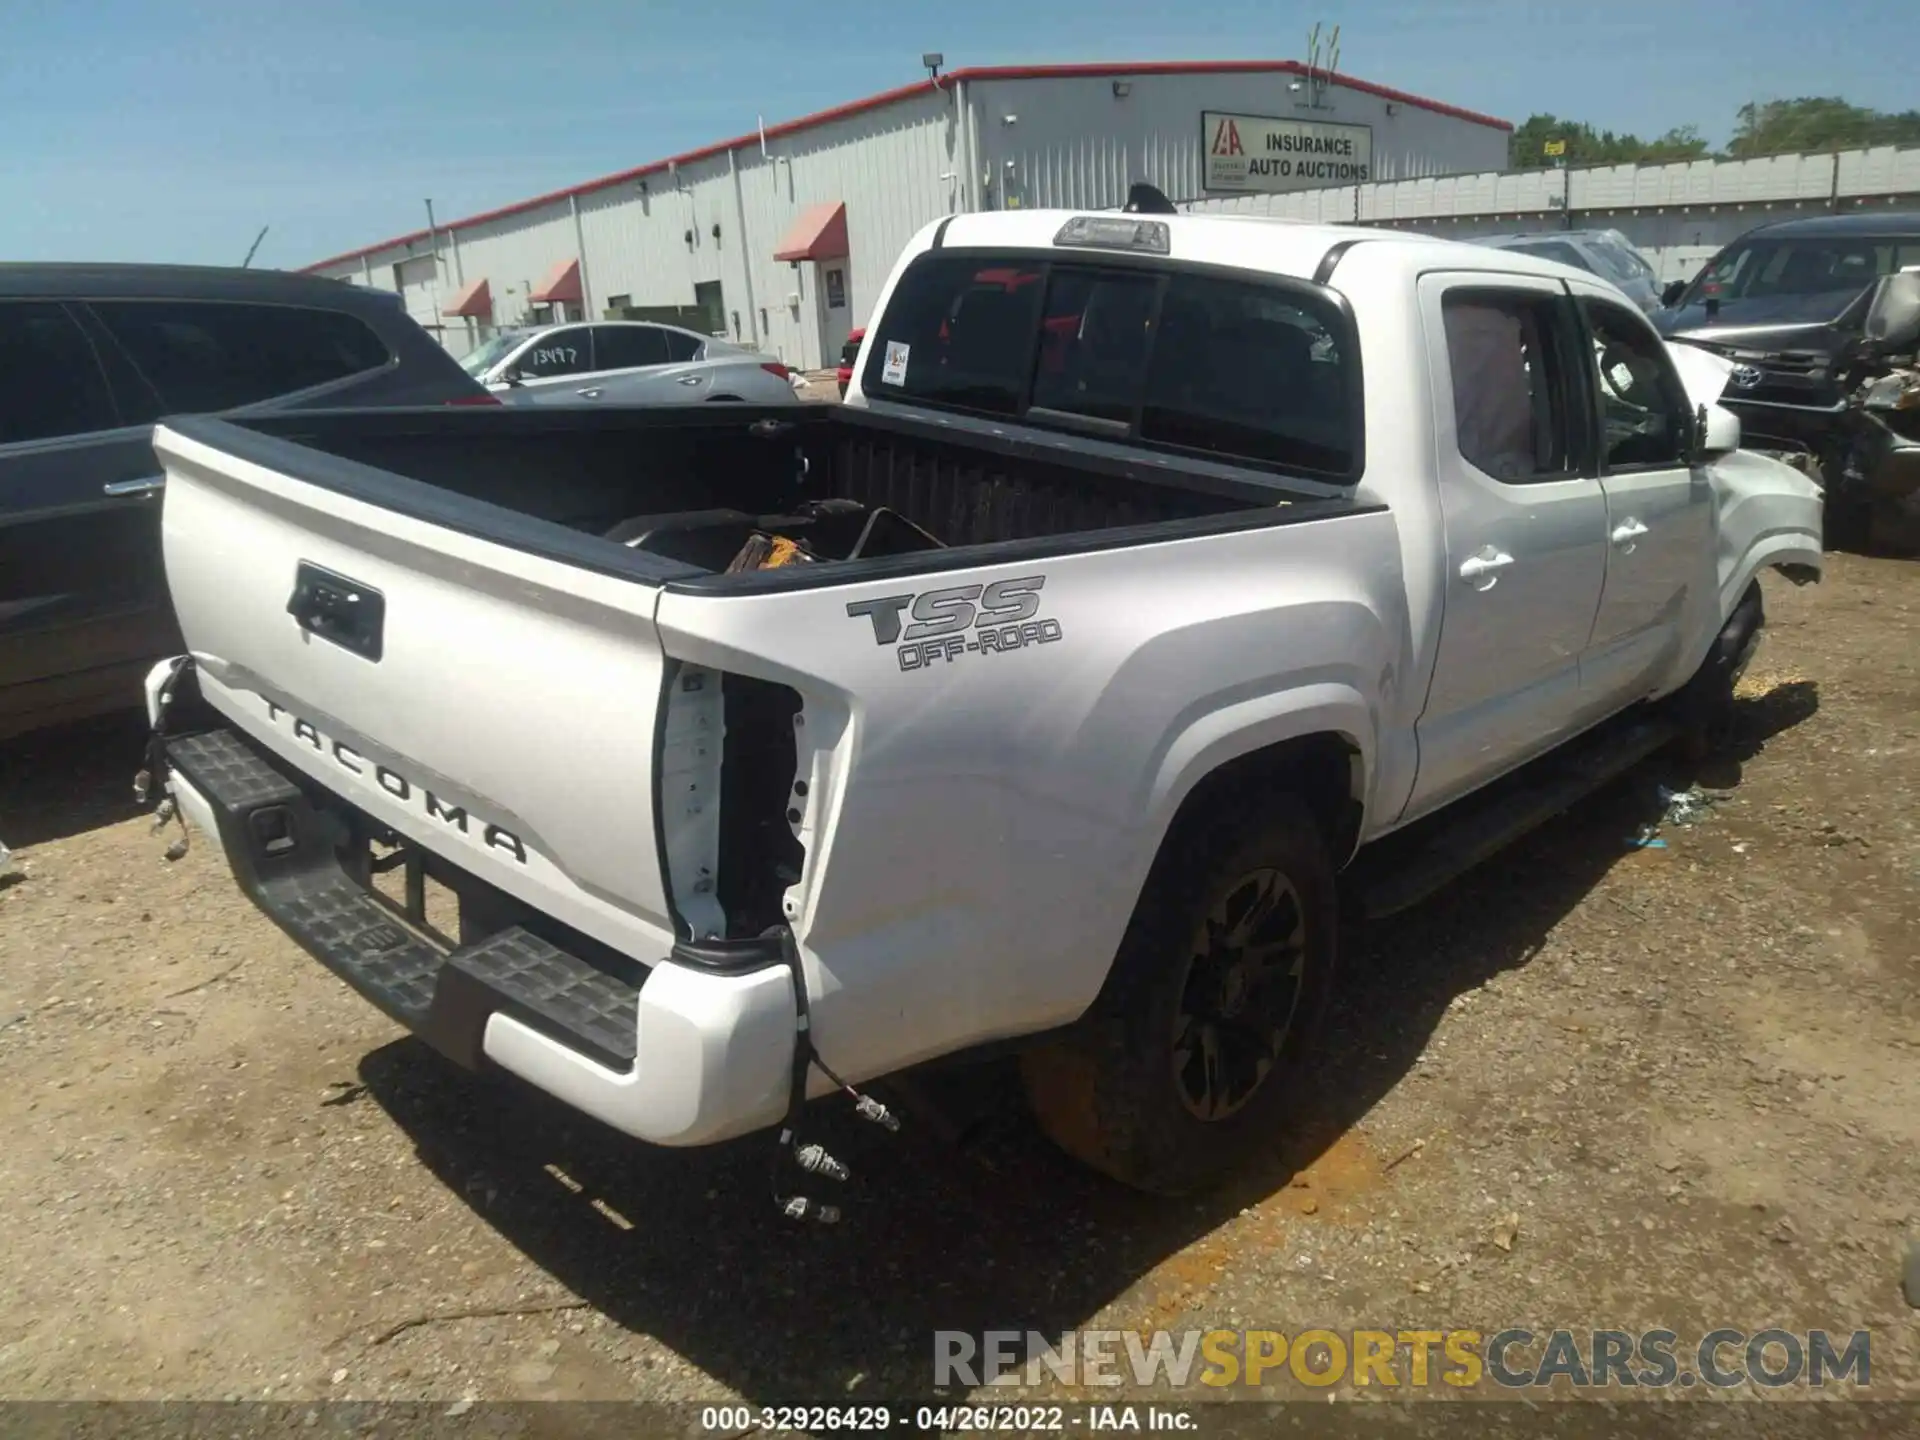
(908, 92)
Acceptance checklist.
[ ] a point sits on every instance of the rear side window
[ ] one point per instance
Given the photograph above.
(682, 348)
(50, 383)
(1240, 370)
(1508, 354)
(211, 355)
(626, 347)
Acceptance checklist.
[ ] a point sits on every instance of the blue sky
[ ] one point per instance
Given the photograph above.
(175, 129)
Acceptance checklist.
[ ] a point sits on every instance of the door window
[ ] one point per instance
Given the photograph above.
(682, 347)
(50, 382)
(215, 355)
(1643, 409)
(628, 347)
(563, 352)
(1507, 351)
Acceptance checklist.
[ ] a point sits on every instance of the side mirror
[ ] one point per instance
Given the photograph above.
(1718, 430)
(511, 379)
(1893, 311)
(1670, 296)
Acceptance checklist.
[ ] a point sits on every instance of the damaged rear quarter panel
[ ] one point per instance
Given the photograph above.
(992, 755)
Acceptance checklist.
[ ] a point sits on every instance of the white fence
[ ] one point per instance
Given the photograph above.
(1678, 215)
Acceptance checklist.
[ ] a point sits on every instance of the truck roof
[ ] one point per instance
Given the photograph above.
(1267, 244)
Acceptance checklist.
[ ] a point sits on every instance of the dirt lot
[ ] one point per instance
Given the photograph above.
(1594, 1085)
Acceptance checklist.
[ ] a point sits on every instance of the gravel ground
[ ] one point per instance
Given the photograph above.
(1593, 1084)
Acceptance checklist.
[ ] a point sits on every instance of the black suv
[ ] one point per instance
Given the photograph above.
(1786, 304)
(90, 357)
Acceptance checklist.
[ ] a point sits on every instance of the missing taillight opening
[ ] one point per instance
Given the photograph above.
(775, 368)
(727, 785)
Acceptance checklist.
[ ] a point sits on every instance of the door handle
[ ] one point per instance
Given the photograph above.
(120, 489)
(1482, 570)
(689, 379)
(1626, 532)
(592, 392)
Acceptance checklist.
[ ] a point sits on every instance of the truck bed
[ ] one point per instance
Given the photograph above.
(664, 787)
(684, 487)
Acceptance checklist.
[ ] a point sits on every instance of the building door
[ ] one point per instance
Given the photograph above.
(710, 307)
(835, 311)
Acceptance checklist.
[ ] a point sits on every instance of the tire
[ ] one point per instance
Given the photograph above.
(1893, 526)
(1129, 1089)
(1705, 703)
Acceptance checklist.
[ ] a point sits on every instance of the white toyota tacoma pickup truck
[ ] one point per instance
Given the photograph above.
(1163, 581)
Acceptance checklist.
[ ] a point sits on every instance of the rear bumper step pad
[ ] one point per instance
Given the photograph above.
(285, 852)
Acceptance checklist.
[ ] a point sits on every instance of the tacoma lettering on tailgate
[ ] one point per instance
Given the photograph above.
(961, 620)
(406, 791)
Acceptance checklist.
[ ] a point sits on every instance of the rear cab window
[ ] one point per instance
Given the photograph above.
(1246, 370)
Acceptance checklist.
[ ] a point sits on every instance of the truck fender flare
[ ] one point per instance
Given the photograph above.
(1225, 733)
(1787, 548)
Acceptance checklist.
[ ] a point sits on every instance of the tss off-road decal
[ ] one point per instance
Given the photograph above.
(963, 620)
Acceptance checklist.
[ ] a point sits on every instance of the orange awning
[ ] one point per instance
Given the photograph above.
(562, 283)
(475, 301)
(818, 233)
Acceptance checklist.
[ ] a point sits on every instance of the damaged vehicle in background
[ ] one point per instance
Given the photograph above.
(625, 362)
(1818, 318)
(1605, 253)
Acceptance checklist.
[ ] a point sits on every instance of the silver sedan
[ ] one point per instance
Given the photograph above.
(625, 362)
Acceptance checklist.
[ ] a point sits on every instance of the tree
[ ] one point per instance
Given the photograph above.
(1786, 127)
(1587, 146)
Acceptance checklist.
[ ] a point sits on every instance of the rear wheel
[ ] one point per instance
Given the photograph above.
(1188, 1064)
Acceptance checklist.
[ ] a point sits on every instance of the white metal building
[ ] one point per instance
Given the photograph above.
(782, 238)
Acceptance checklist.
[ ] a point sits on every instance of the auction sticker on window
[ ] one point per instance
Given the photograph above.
(894, 370)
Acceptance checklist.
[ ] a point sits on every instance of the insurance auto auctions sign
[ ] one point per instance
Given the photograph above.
(1260, 152)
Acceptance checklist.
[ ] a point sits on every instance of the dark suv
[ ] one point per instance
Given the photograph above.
(1786, 303)
(90, 356)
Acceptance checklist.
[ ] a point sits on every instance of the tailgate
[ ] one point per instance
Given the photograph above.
(489, 699)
